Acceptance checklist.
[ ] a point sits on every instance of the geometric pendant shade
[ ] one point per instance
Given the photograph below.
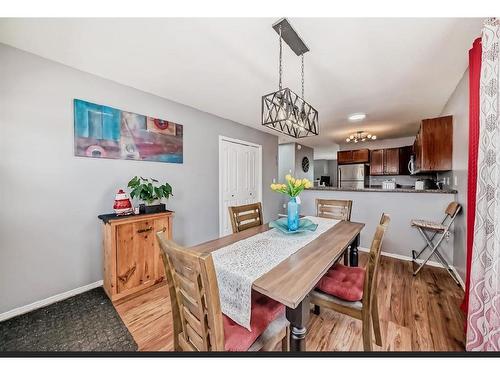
(288, 113)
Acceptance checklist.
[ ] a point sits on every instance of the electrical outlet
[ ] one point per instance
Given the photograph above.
(455, 180)
(274, 180)
(284, 205)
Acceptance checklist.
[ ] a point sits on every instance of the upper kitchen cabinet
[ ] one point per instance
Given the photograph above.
(390, 161)
(377, 163)
(353, 156)
(433, 145)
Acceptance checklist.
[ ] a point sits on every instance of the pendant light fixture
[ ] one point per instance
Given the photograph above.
(284, 110)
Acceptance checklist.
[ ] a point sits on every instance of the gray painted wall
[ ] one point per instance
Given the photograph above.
(458, 106)
(320, 168)
(326, 168)
(299, 155)
(290, 162)
(286, 161)
(50, 239)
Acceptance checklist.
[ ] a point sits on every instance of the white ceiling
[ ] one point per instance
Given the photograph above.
(397, 70)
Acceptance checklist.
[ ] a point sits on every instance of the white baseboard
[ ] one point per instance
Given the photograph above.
(401, 257)
(48, 301)
(409, 259)
(462, 284)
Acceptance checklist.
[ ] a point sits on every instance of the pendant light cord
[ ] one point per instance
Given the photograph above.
(280, 60)
(303, 97)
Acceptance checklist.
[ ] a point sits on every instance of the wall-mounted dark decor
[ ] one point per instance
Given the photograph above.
(106, 132)
(305, 164)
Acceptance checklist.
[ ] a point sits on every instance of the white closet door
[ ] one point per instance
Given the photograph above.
(239, 179)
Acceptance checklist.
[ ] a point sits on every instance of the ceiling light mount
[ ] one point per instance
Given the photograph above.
(284, 110)
(357, 116)
(290, 36)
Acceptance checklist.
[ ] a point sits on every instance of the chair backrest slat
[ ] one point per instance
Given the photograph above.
(451, 212)
(246, 216)
(334, 209)
(452, 208)
(194, 296)
(374, 260)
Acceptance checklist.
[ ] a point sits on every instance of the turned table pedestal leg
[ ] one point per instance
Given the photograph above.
(353, 255)
(298, 319)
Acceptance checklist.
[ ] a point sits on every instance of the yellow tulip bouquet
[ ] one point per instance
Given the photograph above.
(293, 187)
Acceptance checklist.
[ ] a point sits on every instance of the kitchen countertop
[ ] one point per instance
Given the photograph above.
(380, 190)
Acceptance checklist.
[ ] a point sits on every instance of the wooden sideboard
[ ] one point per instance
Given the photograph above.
(132, 261)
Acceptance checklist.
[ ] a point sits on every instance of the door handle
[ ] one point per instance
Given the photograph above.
(145, 230)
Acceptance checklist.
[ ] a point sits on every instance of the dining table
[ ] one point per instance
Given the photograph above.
(291, 281)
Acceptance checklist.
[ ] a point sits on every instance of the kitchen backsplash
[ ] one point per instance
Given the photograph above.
(403, 180)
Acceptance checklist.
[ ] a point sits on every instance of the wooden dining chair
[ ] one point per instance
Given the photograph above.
(353, 290)
(198, 322)
(335, 209)
(246, 216)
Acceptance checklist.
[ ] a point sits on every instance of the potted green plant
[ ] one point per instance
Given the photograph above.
(149, 191)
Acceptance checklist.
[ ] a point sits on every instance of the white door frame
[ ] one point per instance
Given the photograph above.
(223, 138)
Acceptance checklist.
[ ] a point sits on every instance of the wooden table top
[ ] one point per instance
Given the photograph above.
(292, 280)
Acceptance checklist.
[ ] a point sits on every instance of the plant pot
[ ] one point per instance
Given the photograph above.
(152, 209)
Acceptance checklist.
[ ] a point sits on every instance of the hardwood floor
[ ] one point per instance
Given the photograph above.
(416, 314)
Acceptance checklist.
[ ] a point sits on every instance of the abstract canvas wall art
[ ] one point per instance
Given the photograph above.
(106, 132)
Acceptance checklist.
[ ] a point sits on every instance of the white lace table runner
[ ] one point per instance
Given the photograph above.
(238, 265)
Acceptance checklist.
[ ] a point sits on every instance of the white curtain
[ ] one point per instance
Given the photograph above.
(483, 321)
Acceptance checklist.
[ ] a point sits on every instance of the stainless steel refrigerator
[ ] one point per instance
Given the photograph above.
(354, 176)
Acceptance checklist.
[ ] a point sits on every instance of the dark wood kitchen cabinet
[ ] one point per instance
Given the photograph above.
(344, 157)
(433, 147)
(353, 156)
(377, 163)
(390, 161)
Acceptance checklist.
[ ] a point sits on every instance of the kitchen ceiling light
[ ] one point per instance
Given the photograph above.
(360, 136)
(357, 116)
(284, 110)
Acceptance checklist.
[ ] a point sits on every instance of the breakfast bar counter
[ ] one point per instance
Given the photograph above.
(403, 206)
(380, 190)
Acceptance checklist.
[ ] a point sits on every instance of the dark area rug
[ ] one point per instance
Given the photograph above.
(86, 322)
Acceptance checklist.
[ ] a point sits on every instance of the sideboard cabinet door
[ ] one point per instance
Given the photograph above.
(135, 262)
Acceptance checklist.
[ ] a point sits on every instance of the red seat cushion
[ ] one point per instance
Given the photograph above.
(264, 311)
(343, 282)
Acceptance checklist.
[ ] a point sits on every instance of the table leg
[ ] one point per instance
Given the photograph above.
(298, 319)
(354, 252)
(346, 255)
